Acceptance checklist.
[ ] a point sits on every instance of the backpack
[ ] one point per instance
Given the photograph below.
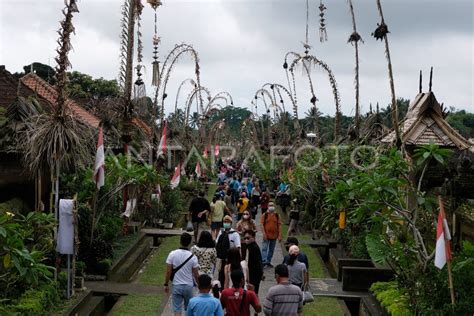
(223, 244)
(266, 216)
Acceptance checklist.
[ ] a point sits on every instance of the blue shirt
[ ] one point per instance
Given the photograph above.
(204, 304)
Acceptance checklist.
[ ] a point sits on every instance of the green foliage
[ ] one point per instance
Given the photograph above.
(84, 86)
(463, 121)
(424, 153)
(234, 117)
(392, 297)
(25, 240)
(377, 248)
(171, 205)
(38, 301)
(45, 72)
(15, 206)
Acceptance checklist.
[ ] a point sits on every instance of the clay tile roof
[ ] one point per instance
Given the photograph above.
(47, 92)
(424, 124)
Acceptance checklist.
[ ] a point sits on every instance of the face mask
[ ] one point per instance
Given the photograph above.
(246, 216)
(271, 209)
(227, 225)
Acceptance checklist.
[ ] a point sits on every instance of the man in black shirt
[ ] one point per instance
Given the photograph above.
(254, 259)
(290, 241)
(198, 211)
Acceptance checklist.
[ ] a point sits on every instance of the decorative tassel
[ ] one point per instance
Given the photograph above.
(155, 81)
(323, 36)
(342, 219)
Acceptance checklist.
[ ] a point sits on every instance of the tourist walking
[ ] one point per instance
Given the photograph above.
(271, 229)
(228, 238)
(254, 260)
(198, 210)
(235, 187)
(182, 270)
(256, 192)
(245, 224)
(228, 199)
(298, 275)
(204, 303)
(234, 262)
(290, 241)
(294, 219)
(242, 205)
(217, 214)
(264, 200)
(205, 251)
(283, 299)
(236, 300)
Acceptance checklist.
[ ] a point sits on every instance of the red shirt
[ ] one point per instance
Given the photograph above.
(231, 299)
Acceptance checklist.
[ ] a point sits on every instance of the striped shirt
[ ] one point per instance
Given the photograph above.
(283, 299)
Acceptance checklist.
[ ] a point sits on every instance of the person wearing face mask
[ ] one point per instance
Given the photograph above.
(254, 260)
(271, 229)
(228, 238)
(245, 224)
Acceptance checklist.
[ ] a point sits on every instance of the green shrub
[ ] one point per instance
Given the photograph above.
(103, 266)
(171, 205)
(36, 301)
(15, 206)
(393, 299)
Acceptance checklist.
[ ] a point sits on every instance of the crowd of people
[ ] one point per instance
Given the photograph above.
(226, 263)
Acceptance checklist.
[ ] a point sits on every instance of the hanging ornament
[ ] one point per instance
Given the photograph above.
(154, 3)
(342, 219)
(323, 36)
(155, 79)
(139, 88)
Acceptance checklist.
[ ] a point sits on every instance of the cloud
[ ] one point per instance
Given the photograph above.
(242, 43)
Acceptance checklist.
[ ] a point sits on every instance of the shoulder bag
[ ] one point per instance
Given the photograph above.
(174, 270)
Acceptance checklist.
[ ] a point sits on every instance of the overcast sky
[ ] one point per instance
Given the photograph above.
(242, 43)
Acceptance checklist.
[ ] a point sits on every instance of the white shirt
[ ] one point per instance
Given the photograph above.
(185, 274)
(234, 238)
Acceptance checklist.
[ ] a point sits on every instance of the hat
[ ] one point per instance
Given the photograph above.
(294, 250)
(227, 218)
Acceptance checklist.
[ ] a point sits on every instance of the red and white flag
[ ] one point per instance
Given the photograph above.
(198, 170)
(204, 154)
(176, 177)
(99, 166)
(216, 150)
(162, 145)
(443, 237)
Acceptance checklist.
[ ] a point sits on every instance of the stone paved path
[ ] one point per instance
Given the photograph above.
(269, 272)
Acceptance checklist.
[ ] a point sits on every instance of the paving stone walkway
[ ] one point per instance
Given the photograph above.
(268, 271)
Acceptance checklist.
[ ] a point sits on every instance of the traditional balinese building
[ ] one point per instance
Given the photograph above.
(425, 124)
(21, 98)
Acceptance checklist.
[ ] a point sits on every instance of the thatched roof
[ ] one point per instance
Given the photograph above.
(425, 124)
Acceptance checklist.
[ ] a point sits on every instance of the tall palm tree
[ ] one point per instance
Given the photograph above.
(380, 33)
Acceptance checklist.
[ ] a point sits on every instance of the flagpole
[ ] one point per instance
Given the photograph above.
(447, 241)
(94, 210)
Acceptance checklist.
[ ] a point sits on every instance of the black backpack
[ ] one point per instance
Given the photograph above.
(223, 244)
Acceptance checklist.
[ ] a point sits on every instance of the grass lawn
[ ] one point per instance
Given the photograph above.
(134, 304)
(322, 306)
(154, 273)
